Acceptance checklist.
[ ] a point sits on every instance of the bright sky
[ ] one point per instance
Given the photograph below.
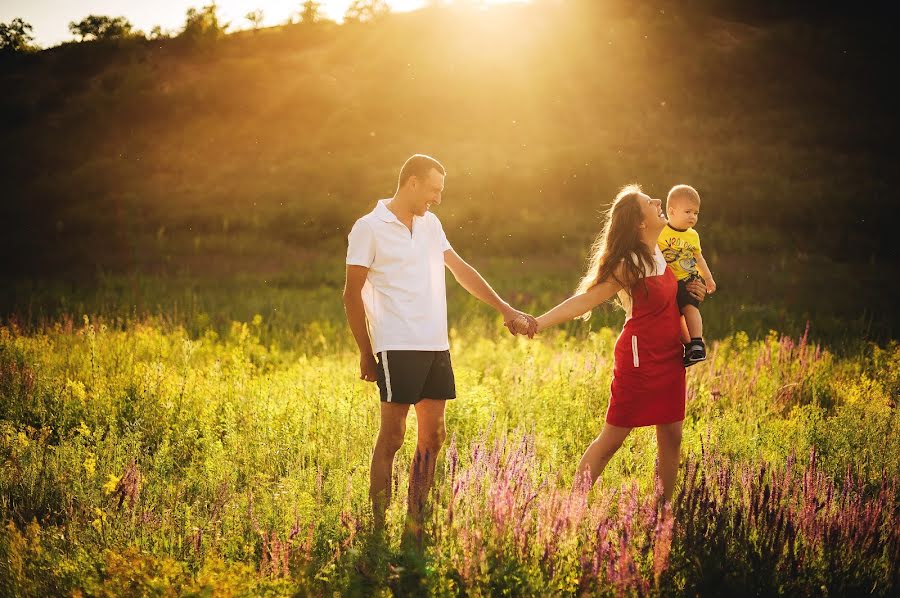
(50, 18)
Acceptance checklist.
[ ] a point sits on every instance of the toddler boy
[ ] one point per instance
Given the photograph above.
(680, 245)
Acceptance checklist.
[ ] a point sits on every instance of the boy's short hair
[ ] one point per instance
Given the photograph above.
(679, 192)
(419, 165)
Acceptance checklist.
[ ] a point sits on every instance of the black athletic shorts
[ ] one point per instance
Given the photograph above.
(683, 297)
(407, 377)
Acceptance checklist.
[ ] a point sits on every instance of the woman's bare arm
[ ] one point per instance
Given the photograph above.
(580, 304)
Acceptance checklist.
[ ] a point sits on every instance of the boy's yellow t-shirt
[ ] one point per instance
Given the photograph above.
(679, 247)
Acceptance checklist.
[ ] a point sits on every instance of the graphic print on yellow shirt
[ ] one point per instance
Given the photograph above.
(678, 247)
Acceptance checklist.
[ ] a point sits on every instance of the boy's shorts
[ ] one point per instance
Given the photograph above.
(683, 297)
(407, 377)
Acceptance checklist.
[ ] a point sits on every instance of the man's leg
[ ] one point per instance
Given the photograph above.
(432, 432)
(390, 439)
(668, 439)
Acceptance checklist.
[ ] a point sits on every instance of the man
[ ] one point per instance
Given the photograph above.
(396, 304)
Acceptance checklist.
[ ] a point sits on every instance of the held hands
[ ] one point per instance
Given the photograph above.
(523, 324)
(518, 322)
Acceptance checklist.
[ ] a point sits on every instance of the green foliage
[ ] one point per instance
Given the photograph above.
(202, 26)
(361, 11)
(310, 12)
(15, 36)
(157, 33)
(99, 27)
(255, 18)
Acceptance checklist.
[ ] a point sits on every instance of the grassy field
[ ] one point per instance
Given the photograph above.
(140, 458)
(845, 304)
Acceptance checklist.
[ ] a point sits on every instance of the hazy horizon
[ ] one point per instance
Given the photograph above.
(50, 18)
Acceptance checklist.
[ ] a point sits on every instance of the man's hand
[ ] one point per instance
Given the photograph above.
(368, 368)
(710, 286)
(697, 290)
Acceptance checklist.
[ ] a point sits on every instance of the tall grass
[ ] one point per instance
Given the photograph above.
(138, 458)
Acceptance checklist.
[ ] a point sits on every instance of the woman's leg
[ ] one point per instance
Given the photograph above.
(599, 453)
(668, 438)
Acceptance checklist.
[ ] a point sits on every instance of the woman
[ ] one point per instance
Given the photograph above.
(648, 385)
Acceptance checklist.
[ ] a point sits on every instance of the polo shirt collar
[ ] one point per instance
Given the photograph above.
(382, 211)
(385, 214)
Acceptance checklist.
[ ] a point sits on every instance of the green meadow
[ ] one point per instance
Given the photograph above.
(139, 458)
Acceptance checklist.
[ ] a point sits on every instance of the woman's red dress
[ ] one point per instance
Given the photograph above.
(648, 385)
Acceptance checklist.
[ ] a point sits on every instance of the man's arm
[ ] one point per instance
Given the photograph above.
(703, 268)
(356, 317)
(469, 278)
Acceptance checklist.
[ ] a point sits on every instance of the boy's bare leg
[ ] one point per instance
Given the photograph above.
(432, 433)
(685, 333)
(694, 321)
(390, 439)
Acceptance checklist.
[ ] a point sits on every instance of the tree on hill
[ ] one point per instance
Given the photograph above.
(94, 27)
(203, 24)
(361, 11)
(15, 37)
(255, 18)
(310, 12)
(159, 33)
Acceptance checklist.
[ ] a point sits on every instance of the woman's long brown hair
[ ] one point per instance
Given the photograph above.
(619, 240)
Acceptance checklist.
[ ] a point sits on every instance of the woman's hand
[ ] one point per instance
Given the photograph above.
(697, 289)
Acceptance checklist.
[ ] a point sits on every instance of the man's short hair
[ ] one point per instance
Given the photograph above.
(682, 192)
(419, 166)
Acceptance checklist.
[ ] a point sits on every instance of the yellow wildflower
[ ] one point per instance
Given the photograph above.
(112, 481)
(90, 464)
(100, 520)
(84, 430)
(77, 390)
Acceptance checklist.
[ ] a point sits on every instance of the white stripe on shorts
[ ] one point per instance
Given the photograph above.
(387, 375)
(634, 351)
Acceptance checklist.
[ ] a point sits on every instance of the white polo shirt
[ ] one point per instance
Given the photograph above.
(404, 295)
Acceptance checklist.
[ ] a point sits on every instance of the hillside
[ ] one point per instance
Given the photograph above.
(141, 154)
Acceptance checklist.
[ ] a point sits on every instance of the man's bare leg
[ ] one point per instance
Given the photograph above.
(390, 439)
(432, 433)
